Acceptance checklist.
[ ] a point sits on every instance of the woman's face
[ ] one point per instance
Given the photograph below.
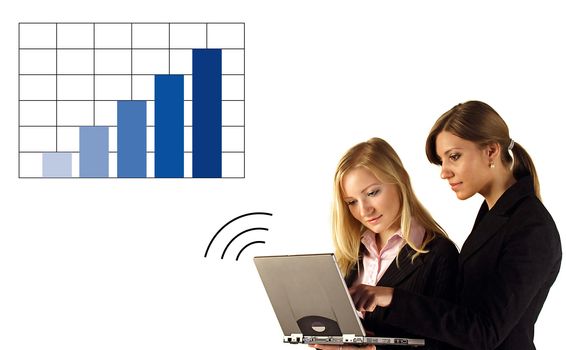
(464, 165)
(375, 204)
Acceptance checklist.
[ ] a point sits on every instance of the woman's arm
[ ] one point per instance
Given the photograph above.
(518, 284)
(435, 276)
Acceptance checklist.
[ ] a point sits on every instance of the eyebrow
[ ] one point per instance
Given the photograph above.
(449, 150)
(366, 188)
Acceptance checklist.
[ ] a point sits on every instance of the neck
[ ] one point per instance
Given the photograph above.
(382, 237)
(501, 182)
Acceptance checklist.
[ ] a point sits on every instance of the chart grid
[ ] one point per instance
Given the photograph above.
(131, 100)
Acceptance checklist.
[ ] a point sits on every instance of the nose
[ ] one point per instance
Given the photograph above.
(366, 209)
(445, 173)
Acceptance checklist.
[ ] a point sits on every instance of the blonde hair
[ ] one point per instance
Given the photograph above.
(378, 157)
(477, 122)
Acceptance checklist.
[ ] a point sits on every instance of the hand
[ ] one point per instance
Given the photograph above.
(342, 347)
(367, 298)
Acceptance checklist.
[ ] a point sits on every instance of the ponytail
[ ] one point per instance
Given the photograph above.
(523, 166)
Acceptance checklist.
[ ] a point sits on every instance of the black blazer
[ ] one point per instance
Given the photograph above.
(432, 274)
(507, 266)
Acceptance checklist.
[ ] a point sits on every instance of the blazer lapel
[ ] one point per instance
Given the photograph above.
(483, 231)
(489, 222)
(396, 274)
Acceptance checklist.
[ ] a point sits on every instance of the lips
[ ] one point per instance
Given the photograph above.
(455, 185)
(374, 220)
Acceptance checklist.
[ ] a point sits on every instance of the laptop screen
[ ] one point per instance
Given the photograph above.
(309, 295)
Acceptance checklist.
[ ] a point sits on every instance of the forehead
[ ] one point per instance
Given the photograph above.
(446, 141)
(358, 179)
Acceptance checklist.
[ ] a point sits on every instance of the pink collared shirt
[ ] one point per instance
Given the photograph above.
(376, 262)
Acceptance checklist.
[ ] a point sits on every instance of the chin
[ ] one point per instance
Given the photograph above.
(463, 195)
(373, 229)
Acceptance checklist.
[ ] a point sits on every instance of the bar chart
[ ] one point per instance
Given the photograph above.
(131, 100)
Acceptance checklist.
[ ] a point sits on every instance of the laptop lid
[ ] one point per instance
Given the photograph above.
(309, 295)
(312, 303)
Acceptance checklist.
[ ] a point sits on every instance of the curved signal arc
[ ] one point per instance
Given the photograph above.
(228, 223)
(238, 235)
(247, 245)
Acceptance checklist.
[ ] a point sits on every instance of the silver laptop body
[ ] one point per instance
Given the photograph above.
(312, 303)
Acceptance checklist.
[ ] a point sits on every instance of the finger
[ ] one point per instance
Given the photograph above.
(353, 289)
(358, 295)
(356, 299)
(370, 303)
(325, 347)
(362, 303)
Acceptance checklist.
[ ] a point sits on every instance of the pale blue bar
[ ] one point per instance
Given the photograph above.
(57, 165)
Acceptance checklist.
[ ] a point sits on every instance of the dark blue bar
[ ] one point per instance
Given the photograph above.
(169, 123)
(93, 150)
(132, 144)
(207, 113)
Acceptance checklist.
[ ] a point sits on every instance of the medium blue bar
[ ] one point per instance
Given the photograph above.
(169, 123)
(93, 150)
(207, 113)
(132, 144)
(57, 165)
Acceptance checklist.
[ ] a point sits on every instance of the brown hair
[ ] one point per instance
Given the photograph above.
(476, 121)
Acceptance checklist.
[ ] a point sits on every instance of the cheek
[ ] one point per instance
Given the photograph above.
(353, 212)
(393, 203)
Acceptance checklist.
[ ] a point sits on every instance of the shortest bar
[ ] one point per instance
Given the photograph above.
(93, 151)
(57, 165)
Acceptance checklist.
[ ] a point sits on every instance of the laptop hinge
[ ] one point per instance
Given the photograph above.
(294, 338)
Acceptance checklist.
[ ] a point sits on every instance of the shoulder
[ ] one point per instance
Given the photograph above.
(441, 246)
(531, 215)
(530, 228)
(521, 207)
(532, 209)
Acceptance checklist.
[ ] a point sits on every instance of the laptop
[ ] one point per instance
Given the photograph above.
(312, 303)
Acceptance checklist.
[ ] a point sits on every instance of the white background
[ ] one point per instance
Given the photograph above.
(118, 264)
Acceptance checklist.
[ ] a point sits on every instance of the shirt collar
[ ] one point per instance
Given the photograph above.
(416, 235)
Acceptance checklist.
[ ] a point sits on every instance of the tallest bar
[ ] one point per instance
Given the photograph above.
(207, 113)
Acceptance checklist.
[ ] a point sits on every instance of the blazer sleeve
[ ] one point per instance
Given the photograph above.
(528, 262)
(436, 278)
(441, 281)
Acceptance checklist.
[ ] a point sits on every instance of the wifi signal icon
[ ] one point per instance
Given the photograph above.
(238, 235)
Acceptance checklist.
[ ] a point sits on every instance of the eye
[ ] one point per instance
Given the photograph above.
(373, 193)
(455, 156)
(351, 202)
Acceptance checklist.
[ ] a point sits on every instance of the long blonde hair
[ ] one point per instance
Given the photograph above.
(377, 156)
(477, 122)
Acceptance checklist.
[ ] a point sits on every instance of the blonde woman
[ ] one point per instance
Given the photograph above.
(383, 236)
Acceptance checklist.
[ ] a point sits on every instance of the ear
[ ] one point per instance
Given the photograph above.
(492, 150)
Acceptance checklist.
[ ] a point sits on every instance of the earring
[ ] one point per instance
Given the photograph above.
(491, 164)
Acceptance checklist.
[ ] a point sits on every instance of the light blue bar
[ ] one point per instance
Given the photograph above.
(57, 164)
(132, 139)
(93, 151)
